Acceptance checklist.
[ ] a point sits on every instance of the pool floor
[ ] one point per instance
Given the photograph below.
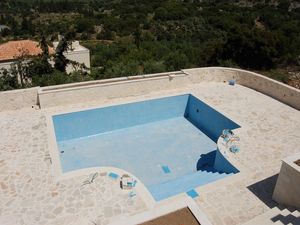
(158, 153)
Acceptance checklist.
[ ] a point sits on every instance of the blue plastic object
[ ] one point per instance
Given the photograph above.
(113, 176)
(234, 149)
(231, 82)
(166, 169)
(132, 184)
(132, 194)
(192, 193)
(227, 132)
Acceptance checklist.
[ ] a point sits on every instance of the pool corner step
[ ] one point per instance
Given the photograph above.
(183, 184)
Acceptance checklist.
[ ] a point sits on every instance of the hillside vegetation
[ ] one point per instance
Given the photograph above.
(130, 37)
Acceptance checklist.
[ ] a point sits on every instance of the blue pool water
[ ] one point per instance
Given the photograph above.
(168, 143)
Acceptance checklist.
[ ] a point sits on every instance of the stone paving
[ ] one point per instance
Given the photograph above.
(29, 195)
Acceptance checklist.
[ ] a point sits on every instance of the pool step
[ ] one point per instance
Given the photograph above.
(276, 216)
(184, 184)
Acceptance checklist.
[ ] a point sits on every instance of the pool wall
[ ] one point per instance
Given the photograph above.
(101, 120)
(215, 162)
(207, 119)
(223, 165)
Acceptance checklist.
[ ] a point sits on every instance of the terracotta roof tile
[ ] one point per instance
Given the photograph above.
(14, 49)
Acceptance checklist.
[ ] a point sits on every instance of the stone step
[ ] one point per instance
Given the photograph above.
(296, 213)
(276, 216)
(285, 212)
(295, 221)
(293, 218)
(282, 217)
(265, 218)
(184, 184)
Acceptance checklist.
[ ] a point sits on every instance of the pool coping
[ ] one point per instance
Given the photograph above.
(141, 189)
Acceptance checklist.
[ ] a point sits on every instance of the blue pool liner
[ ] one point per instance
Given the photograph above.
(192, 193)
(113, 175)
(166, 169)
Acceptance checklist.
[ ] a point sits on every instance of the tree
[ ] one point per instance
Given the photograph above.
(284, 5)
(60, 61)
(41, 65)
(44, 46)
(152, 66)
(20, 70)
(85, 25)
(137, 36)
(176, 61)
(8, 81)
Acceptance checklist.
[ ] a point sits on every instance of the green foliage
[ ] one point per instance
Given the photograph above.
(277, 75)
(176, 61)
(129, 37)
(8, 81)
(60, 61)
(122, 69)
(105, 35)
(58, 77)
(152, 66)
(39, 65)
(20, 69)
(84, 25)
(284, 5)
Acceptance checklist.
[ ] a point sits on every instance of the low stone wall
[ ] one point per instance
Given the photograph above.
(265, 85)
(211, 74)
(138, 85)
(273, 88)
(111, 88)
(18, 99)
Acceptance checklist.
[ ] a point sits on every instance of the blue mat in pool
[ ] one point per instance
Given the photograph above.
(166, 169)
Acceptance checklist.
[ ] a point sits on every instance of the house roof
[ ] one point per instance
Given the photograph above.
(13, 49)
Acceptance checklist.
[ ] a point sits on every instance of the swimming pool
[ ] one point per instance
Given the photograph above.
(168, 143)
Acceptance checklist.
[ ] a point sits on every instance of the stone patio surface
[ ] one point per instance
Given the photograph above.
(30, 195)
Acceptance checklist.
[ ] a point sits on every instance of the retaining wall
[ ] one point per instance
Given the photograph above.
(111, 88)
(138, 85)
(18, 99)
(265, 85)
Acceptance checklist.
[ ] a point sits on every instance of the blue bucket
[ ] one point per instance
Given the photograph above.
(232, 82)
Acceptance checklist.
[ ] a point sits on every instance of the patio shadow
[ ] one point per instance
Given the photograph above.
(264, 190)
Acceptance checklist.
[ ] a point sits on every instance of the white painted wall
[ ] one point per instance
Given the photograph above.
(77, 53)
(287, 189)
(6, 65)
(82, 56)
